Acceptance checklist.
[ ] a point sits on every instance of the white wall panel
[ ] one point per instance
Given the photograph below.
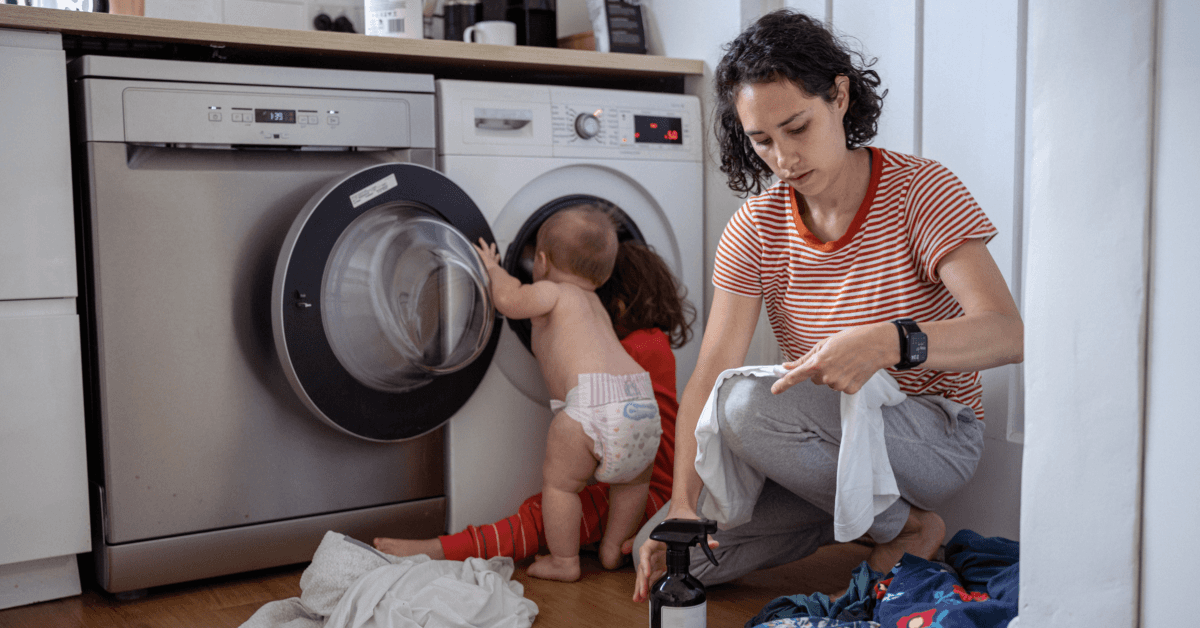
(970, 122)
(815, 8)
(1171, 506)
(1090, 87)
(698, 29)
(888, 31)
(291, 14)
(753, 9)
(192, 10)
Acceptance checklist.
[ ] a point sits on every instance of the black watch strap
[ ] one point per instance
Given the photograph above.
(914, 345)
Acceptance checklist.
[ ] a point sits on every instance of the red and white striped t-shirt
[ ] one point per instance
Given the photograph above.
(883, 268)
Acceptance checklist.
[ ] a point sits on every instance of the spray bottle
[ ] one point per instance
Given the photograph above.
(677, 600)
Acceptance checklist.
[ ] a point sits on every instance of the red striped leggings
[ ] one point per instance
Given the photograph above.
(521, 535)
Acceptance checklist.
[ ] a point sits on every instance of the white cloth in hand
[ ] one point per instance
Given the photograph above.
(865, 483)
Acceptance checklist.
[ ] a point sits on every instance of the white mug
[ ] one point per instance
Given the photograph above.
(498, 32)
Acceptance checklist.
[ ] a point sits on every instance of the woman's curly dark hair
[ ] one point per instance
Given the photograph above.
(789, 45)
(643, 293)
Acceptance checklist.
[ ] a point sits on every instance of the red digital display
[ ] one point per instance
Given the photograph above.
(657, 130)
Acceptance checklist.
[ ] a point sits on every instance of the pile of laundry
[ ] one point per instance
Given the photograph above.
(975, 588)
(350, 584)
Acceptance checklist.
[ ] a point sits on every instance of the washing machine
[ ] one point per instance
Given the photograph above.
(282, 309)
(524, 152)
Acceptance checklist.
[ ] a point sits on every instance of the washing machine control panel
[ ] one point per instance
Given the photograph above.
(642, 129)
(573, 122)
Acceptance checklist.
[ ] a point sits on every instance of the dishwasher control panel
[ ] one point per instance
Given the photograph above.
(275, 123)
(160, 113)
(217, 117)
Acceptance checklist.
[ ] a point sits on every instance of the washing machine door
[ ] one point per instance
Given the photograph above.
(381, 307)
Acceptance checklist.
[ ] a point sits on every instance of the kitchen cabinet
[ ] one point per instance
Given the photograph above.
(43, 470)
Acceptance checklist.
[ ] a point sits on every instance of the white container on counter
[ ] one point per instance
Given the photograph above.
(394, 18)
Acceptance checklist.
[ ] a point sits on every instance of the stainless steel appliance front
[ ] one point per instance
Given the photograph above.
(205, 460)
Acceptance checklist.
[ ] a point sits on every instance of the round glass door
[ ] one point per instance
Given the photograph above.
(381, 308)
(405, 299)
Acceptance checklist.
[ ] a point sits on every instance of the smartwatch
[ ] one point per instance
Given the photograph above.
(914, 345)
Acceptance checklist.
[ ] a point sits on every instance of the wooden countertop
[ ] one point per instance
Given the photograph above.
(102, 33)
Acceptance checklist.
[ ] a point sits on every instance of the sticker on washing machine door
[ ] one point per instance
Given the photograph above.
(373, 190)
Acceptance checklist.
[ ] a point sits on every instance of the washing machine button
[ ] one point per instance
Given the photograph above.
(587, 125)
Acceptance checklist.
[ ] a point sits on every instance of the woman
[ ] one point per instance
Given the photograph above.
(849, 240)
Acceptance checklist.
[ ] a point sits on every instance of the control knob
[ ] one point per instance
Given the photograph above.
(587, 125)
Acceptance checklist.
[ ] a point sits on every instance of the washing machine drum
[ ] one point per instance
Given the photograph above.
(518, 260)
(382, 313)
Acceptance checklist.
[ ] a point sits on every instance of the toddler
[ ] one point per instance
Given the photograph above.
(606, 424)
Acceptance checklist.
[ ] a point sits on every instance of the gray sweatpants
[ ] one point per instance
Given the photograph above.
(792, 438)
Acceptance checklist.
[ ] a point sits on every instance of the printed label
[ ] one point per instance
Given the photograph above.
(388, 18)
(686, 617)
(373, 190)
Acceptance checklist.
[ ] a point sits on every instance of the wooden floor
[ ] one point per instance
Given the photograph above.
(600, 600)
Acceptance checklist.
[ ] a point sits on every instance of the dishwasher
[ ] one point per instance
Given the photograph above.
(281, 309)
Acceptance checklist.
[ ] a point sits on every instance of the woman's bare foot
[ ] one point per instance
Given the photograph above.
(922, 535)
(411, 547)
(548, 567)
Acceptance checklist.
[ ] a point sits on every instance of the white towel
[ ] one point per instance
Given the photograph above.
(865, 483)
(351, 585)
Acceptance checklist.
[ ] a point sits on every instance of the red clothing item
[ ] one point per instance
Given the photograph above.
(522, 535)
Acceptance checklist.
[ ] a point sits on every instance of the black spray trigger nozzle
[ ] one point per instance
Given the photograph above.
(708, 552)
(681, 534)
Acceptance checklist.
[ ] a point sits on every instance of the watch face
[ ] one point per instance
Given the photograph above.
(918, 347)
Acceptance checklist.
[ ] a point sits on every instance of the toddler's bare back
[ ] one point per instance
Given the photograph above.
(577, 337)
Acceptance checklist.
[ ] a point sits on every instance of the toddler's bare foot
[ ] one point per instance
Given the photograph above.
(548, 567)
(611, 556)
(922, 535)
(411, 547)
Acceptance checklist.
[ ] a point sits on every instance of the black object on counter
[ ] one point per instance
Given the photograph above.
(678, 595)
(458, 15)
(626, 31)
(536, 20)
(493, 10)
(322, 22)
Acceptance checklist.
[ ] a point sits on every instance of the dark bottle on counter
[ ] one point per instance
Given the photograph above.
(458, 15)
(677, 599)
(536, 20)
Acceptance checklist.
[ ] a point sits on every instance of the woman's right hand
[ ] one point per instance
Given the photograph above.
(651, 564)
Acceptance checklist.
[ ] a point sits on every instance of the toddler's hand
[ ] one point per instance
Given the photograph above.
(489, 253)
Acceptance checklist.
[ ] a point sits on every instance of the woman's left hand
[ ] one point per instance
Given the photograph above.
(845, 360)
